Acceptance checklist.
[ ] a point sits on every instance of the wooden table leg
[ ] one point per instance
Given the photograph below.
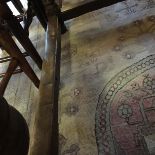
(12, 49)
(19, 33)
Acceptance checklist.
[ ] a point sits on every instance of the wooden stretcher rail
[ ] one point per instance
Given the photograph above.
(9, 58)
(86, 8)
(15, 72)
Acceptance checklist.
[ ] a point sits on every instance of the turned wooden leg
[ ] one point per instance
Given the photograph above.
(12, 49)
(19, 33)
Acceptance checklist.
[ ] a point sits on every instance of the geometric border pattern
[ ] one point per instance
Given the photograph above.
(104, 137)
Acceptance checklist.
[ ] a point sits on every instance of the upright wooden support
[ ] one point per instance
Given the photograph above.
(19, 33)
(46, 124)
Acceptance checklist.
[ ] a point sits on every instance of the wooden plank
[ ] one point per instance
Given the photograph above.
(86, 8)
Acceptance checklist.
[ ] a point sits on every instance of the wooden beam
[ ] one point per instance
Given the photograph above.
(15, 72)
(18, 5)
(13, 50)
(86, 8)
(19, 33)
(4, 82)
(9, 58)
(46, 124)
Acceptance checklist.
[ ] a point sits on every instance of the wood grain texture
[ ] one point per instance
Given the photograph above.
(19, 33)
(44, 118)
